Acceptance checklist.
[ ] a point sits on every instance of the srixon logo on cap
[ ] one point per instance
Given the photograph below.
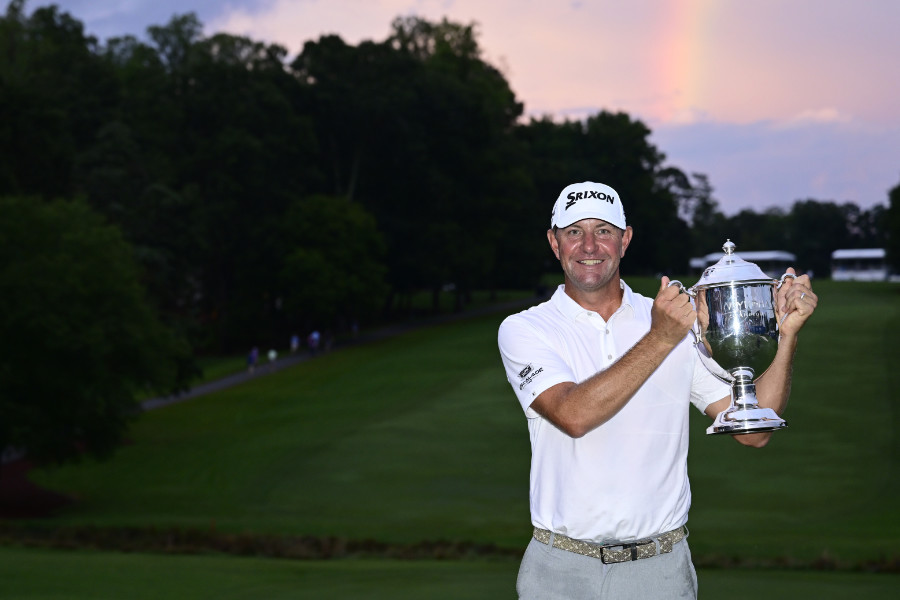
(576, 196)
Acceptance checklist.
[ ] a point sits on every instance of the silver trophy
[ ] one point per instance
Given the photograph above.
(738, 336)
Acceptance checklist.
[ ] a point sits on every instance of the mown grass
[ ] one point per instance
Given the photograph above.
(407, 439)
(113, 576)
(419, 438)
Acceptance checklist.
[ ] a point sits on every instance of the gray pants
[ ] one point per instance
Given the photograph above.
(548, 573)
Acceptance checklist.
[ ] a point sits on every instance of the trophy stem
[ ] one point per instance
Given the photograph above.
(745, 415)
(743, 390)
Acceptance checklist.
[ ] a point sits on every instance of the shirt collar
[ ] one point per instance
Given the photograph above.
(573, 310)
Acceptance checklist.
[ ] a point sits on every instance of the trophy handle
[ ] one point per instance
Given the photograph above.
(778, 287)
(695, 328)
(781, 281)
(686, 290)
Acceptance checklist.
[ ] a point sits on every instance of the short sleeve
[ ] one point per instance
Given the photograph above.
(706, 388)
(531, 362)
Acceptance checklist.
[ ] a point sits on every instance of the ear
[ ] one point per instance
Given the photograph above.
(626, 239)
(554, 243)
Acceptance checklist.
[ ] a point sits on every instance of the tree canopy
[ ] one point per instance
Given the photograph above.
(82, 341)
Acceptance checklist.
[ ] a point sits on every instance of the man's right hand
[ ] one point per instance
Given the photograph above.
(672, 315)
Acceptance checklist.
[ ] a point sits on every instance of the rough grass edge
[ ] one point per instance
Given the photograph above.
(195, 541)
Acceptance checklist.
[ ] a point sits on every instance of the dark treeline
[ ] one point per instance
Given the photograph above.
(264, 193)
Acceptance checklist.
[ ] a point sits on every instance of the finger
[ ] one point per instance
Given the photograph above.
(668, 292)
(802, 301)
(805, 297)
(782, 292)
(682, 308)
(681, 300)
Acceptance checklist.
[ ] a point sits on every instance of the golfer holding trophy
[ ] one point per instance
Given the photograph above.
(606, 376)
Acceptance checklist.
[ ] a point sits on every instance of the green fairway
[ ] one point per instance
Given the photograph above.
(110, 576)
(23, 575)
(420, 438)
(413, 438)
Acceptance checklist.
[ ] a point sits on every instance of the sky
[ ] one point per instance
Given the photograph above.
(774, 100)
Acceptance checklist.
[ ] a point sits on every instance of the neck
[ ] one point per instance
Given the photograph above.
(604, 301)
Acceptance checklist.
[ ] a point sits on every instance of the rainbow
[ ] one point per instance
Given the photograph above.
(682, 57)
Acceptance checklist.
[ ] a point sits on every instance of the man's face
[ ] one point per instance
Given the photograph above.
(589, 252)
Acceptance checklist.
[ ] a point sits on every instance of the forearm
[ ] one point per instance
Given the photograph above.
(773, 388)
(580, 408)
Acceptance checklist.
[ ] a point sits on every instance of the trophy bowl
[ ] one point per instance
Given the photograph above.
(738, 337)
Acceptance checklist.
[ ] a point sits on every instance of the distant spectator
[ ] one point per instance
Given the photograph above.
(252, 359)
(273, 356)
(295, 343)
(313, 342)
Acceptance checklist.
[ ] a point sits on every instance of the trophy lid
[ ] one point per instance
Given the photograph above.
(732, 268)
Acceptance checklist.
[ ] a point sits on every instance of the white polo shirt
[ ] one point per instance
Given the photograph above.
(627, 479)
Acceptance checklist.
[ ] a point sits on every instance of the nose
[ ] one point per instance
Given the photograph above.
(590, 242)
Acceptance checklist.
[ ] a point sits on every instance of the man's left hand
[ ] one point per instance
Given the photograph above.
(794, 303)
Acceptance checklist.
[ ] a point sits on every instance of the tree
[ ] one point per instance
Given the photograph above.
(209, 147)
(892, 229)
(417, 129)
(56, 91)
(866, 226)
(708, 226)
(815, 230)
(751, 230)
(245, 154)
(476, 171)
(81, 339)
(333, 271)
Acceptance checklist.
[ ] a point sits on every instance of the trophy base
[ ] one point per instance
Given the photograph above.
(736, 421)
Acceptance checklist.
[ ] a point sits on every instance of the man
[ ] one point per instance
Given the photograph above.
(605, 377)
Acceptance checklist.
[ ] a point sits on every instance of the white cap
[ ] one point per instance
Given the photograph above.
(588, 200)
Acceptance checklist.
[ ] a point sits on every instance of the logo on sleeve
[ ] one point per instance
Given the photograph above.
(528, 374)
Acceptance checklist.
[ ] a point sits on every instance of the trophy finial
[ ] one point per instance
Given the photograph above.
(728, 247)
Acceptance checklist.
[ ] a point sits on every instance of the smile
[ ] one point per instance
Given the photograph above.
(590, 262)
